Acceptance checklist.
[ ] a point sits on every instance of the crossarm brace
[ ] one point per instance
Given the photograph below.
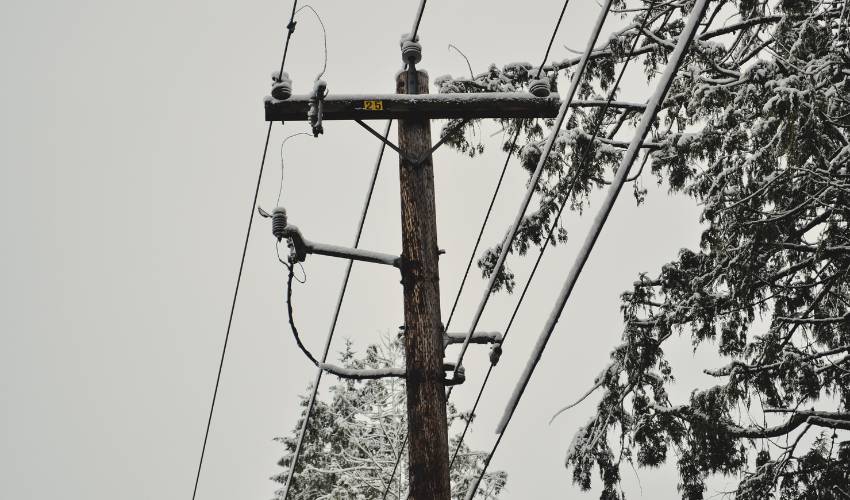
(415, 161)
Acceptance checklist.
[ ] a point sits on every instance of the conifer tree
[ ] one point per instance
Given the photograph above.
(755, 130)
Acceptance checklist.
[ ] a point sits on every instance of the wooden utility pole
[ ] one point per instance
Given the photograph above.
(428, 452)
(425, 373)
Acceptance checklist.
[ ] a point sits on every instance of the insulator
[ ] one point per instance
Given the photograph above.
(282, 90)
(411, 52)
(460, 375)
(539, 87)
(282, 86)
(495, 353)
(279, 223)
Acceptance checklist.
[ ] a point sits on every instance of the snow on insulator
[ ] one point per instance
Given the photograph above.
(279, 223)
(282, 86)
(539, 87)
(282, 90)
(411, 52)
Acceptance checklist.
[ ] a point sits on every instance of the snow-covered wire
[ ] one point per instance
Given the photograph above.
(578, 168)
(280, 189)
(417, 20)
(290, 30)
(629, 157)
(532, 184)
(335, 316)
(324, 38)
(654, 103)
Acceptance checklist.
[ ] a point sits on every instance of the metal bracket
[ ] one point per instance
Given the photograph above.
(415, 161)
(302, 246)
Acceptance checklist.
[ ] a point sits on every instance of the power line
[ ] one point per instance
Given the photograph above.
(685, 38)
(580, 165)
(335, 316)
(483, 225)
(417, 20)
(290, 29)
(552, 38)
(532, 185)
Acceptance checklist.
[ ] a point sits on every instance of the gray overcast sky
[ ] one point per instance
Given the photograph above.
(131, 134)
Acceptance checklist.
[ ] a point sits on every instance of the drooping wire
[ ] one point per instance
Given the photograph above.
(280, 189)
(324, 38)
(292, 319)
(584, 159)
(335, 316)
(649, 114)
(290, 30)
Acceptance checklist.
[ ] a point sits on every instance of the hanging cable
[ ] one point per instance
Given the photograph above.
(280, 189)
(290, 29)
(335, 316)
(324, 38)
(652, 107)
(291, 269)
(584, 159)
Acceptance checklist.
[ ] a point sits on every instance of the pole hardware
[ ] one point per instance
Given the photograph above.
(314, 114)
(539, 87)
(301, 246)
(281, 85)
(414, 160)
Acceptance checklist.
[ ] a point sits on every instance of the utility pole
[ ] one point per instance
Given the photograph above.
(428, 450)
(424, 337)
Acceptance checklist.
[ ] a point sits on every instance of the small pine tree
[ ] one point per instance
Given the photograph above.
(354, 439)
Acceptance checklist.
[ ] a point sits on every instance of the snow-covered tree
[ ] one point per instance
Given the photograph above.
(755, 130)
(354, 439)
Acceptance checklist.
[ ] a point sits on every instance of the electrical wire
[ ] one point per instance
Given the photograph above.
(324, 38)
(552, 38)
(532, 184)
(280, 189)
(483, 225)
(290, 314)
(652, 107)
(417, 20)
(585, 157)
(291, 29)
(335, 316)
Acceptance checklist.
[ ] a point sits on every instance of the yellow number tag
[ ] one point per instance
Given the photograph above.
(373, 105)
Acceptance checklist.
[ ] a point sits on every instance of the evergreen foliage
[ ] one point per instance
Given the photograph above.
(354, 439)
(755, 130)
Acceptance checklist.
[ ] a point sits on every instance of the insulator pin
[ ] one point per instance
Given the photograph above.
(411, 52)
(279, 223)
(282, 86)
(539, 87)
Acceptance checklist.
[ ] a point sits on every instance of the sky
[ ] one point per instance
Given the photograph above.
(131, 136)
